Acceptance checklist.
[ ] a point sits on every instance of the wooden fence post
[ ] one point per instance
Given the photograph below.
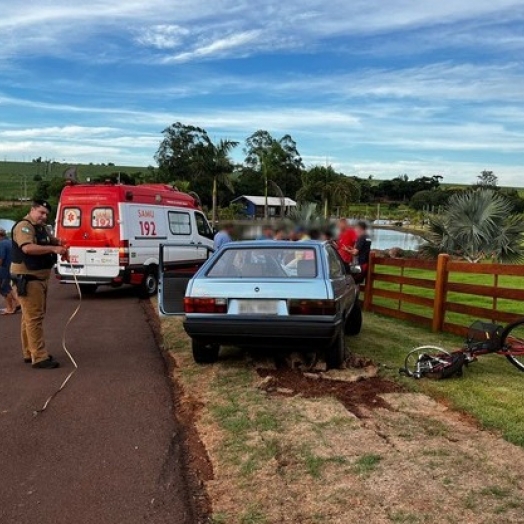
(441, 291)
(368, 290)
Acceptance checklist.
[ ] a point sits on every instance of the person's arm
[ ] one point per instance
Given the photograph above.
(24, 235)
(35, 249)
(358, 247)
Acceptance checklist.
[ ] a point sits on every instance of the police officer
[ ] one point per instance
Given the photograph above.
(34, 253)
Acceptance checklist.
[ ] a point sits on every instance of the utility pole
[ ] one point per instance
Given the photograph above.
(264, 171)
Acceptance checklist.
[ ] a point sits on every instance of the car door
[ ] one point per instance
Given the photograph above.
(184, 246)
(204, 231)
(174, 276)
(342, 283)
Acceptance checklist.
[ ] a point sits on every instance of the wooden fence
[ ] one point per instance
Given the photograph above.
(424, 298)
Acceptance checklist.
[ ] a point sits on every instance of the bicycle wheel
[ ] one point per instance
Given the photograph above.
(424, 359)
(512, 341)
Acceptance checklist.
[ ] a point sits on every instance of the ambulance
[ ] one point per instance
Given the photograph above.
(114, 232)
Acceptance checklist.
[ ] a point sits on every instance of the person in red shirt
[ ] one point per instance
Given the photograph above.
(347, 238)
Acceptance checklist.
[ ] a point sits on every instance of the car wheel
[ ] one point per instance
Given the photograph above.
(353, 324)
(336, 352)
(149, 285)
(88, 289)
(204, 353)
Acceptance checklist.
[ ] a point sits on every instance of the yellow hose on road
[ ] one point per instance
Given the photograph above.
(66, 350)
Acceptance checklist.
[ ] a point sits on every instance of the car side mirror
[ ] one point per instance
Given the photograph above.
(353, 269)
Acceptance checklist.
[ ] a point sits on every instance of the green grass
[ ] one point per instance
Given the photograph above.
(367, 463)
(314, 463)
(491, 389)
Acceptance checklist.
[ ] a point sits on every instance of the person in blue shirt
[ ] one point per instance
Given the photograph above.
(268, 233)
(11, 303)
(223, 236)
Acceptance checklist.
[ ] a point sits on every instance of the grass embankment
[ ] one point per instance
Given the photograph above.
(17, 179)
(282, 457)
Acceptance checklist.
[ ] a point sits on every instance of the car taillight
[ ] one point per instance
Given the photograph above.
(123, 252)
(312, 307)
(205, 305)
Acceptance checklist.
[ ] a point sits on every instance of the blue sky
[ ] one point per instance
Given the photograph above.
(373, 87)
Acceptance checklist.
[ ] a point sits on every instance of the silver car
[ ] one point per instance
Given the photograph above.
(270, 294)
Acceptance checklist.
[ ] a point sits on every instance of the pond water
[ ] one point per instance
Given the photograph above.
(388, 238)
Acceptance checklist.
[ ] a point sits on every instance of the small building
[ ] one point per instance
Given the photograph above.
(254, 205)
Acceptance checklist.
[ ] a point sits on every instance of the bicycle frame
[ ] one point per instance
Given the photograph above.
(489, 338)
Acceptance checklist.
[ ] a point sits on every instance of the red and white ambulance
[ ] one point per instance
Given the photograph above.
(114, 232)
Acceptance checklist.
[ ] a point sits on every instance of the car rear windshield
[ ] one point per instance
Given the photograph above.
(292, 262)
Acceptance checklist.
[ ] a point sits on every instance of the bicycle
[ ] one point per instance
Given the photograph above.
(483, 338)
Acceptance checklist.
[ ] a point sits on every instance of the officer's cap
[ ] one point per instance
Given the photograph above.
(43, 203)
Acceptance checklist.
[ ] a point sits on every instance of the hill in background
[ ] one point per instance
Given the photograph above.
(18, 180)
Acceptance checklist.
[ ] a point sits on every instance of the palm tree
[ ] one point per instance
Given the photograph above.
(214, 159)
(331, 188)
(222, 170)
(306, 214)
(476, 225)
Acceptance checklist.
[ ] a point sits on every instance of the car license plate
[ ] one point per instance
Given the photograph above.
(69, 270)
(258, 307)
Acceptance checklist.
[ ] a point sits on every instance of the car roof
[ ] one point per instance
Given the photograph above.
(273, 243)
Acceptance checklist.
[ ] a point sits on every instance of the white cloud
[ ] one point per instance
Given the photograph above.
(56, 131)
(453, 172)
(218, 47)
(163, 36)
(436, 82)
(59, 26)
(341, 108)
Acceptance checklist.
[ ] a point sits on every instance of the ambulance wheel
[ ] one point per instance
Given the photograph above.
(204, 353)
(149, 285)
(88, 289)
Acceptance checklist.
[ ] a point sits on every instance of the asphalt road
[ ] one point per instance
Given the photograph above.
(107, 450)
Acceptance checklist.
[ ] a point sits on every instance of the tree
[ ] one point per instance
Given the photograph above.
(324, 185)
(401, 188)
(248, 182)
(277, 160)
(180, 152)
(477, 225)
(429, 198)
(188, 154)
(487, 179)
(216, 160)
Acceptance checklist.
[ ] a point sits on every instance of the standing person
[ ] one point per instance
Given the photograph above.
(280, 233)
(11, 302)
(223, 236)
(347, 238)
(268, 233)
(33, 256)
(361, 250)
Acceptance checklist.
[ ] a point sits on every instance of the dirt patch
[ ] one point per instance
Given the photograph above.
(197, 468)
(353, 395)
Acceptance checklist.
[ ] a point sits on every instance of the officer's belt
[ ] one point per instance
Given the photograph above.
(29, 278)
